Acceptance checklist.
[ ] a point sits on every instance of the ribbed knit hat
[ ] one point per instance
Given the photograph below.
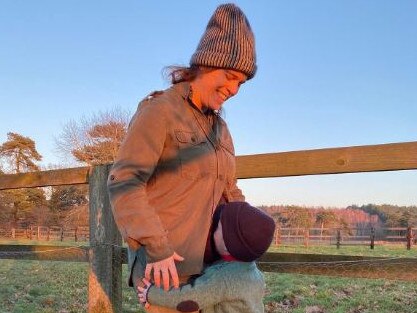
(247, 231)
(228, 42)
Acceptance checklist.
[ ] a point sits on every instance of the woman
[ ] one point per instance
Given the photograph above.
(177, 160)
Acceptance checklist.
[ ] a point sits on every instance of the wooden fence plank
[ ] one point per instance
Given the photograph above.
(68, 176)
(45, 253)
(386, 157)
(105, 275)
(340, 266)
(310, 264)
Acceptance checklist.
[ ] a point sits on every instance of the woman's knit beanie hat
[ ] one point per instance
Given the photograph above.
(228, 42)
(247, 231)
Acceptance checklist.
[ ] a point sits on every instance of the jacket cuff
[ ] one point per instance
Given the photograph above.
(132, 243)
(158, 249)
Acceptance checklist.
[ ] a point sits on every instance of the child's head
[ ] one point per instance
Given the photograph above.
(242, 230)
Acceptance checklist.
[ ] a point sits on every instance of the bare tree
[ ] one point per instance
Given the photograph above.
(96, 139)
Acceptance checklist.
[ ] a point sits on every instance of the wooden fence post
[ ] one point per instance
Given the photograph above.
(306, 237)
(372, 238)
(277, 236)
(409, 237)
(105, 275)
(338, 239)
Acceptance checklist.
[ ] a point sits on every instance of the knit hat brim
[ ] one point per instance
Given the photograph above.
(247, 231)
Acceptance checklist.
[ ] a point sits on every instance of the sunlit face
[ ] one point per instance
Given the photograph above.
(219, 241)
(211, 89)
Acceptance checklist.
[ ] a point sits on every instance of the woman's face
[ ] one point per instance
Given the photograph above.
(214, 87)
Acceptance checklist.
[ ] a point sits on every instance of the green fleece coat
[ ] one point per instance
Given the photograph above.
(225, 287)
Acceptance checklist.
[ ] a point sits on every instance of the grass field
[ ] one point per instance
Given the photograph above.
(48, 286)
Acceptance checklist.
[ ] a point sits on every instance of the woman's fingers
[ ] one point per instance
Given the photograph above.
(156, 275)
(165, 278)
(168, 270)
(146, 282)
(174, 275)
(148, 270)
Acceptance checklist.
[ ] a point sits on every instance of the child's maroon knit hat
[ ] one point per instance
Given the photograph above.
(247, 231)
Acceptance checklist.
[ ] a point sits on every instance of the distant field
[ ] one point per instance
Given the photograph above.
(34, 286)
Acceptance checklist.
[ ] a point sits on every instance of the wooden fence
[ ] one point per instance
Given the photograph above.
(345, 236)
(53, 233)
(105, 254)
(283, 235)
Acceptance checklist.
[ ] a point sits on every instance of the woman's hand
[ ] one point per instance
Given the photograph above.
(166, 267)
(143, 293)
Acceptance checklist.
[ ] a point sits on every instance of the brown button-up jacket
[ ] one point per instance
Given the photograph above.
(172, 169)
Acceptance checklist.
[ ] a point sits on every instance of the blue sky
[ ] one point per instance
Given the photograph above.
(331, 74)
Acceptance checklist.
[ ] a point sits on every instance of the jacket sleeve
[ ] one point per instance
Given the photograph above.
(206, 291)
(137, 158)
(234, 192)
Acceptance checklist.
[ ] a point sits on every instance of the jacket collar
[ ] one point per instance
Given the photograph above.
(183, 89)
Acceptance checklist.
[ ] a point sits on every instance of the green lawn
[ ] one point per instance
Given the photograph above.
(52, 286)
(48, 286)
(298, 293)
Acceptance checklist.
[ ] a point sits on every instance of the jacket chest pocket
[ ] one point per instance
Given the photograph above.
(196, 155)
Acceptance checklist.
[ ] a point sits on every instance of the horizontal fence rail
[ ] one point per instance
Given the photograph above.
(45, 253)
(309, 264)
(372, 158)
(67, 176)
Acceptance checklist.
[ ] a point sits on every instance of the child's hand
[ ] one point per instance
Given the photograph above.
(143, 293)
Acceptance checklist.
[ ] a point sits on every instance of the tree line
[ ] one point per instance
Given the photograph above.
(354, 216)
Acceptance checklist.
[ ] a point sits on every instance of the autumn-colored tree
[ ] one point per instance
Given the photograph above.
(24, 201)
(21, 153)
(94, 140)
(299, 217)
(69, 205)
(64, 198)
(326, 218)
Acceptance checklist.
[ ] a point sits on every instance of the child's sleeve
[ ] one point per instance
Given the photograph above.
(206, 291)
